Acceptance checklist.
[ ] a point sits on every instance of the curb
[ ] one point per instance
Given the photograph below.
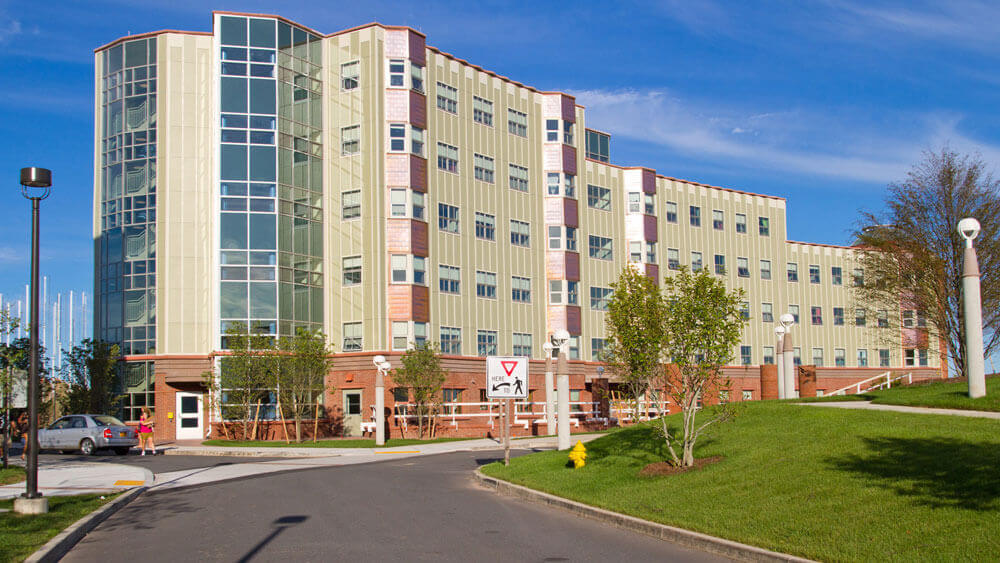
(59, 546)
(678, 536)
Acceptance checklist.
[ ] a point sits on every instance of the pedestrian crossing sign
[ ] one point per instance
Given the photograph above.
(506, 377)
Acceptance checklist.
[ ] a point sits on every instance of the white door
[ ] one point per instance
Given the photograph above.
(189, 416)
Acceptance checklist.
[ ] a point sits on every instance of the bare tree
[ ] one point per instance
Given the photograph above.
(246, 375)
(422, 376)
(302, 364)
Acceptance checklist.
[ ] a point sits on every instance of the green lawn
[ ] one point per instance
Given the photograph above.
(828, 484)
(942, 393)
(13, 474)
(21, 535)
(345, 443)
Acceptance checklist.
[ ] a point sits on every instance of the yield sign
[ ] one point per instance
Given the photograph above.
(506, 377)
(508, 367)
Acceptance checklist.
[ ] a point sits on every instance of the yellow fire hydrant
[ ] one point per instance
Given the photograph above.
(578, 455)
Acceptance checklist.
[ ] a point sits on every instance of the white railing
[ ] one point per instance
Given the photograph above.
(624, 409)
(525, 413)
(872, 383)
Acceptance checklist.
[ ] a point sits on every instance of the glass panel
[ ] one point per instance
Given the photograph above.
(262, 33)
(233, 300)
(233, 230)
(189, 405)
(234, 94)
(262, 232)
(233, 165)
(262, 164)
(234, 30)
(262, 97)
(135, 53)
(263, 300)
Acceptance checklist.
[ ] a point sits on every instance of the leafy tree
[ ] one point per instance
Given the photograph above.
(634, 330)
(245, 376)
(422, 375)
(91, 377)
(914, 256)
(702, 324)
(8, 357)
(302, 364)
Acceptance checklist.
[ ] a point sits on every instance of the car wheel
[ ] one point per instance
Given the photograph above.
(87, 446)
(122, 451)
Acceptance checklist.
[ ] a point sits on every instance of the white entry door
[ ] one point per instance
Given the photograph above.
(189, 416)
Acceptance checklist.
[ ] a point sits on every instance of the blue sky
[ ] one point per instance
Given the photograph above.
(823, 103)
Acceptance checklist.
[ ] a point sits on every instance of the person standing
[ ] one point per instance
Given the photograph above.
(146, 431)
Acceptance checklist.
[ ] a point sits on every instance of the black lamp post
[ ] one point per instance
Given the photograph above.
(35, 185)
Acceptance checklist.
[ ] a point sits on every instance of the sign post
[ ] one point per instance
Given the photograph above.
(506, 379)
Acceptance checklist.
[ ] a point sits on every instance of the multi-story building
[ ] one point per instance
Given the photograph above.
(368, 185)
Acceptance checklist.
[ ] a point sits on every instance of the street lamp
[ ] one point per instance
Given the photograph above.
(789, 376)
(383, 367)
(550, 400)
(975, 368)
(35, 185)
(561, 340)
(779, 331)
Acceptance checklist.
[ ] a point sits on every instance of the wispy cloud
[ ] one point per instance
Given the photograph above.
(9, 28)
(11, 255)
(970, 23)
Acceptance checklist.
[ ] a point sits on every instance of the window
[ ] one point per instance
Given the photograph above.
(883, 318)
(449, 279)
(350, 204)
(451, 396)
(635, 202)
(860, 318)
(859, 277)
(400, 335)
(765, 269)
(417, 141)
(818, 357)
(520, 233)
(558, 289)
(649, 203)
(673, 259)
(559, 235)
(517, 123)
(552, 131)
(397, 137)
(486, 284)
(597, 349)
(671, 211)
(574, 401)
(764, 226)
(560, 184)
(520, 289)
(817, 315)
(696, 262)
(398, 203)
(837, 275)
(797, 356)
(397, 73)
(635, 251)
(720, 264)
(486, 343)
(913, 357)
(482, 168)
(838, 316)
(598, 146)
(741, 223)
(352, 270)
(352, 337)
(793, 272)
(650, 252)
(447, 98)
(883, 358)
(793, 310)
(743, 267)
(485, 226)
(451, 340)
(350, 140)
(448, 218)
(518, 177)
(909, 318)
(748, 394)
(766, 313)
(522, 344)
(406, 268)
(746, 355)
(599, 297)
(482, 111)
(598, 197)
(768, 355)
(600, 247)
(695, 212)
(718, 221)
(417, 77)
(813, 273)
(349, 75)
(447, 158)
(839, 357)
(745, 310)
(862, 358)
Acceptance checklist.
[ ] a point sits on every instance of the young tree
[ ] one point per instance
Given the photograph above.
(914, 252)
(421, 373)
(302, 364)
(91, 377)
(8, 357)
(246, 375)
(634, 331)
(702, 325)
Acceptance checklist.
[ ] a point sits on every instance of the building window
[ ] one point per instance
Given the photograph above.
(671, 211)
(417, 77)
(764, 226)
(486, 226)
(486, 343)
(741, 223)
(836, 275)
(398, 203)
(598, 197)
(913, 357)
(520, 289)
(448, 398)
(859, 277)
(600, 247)
(746, 355)
(650, 252)
(447, 158)
(817, 315)
(486, 284)
(909, 318)
(482, 168)
(695, 212)
(599, 297)
(696, 262)
(747, 395)
(649, 202)
(352, 337)
(558, 289)
(449, 279)
(797, 356)
(720, 264)
(597, 349)
(352, 270)
(451, 340)
(558, 235)
(552, 131)
(560, 184)
(818, 357)
(793, 272)
(718, 221)
(350, 74)
(350, 140)
(397, 73)
(838, 316)
(522, 344)
(598, 146)
(860, 318)
(765, 269)
(635, 202)
(673, 259)
(883, 358)
(518, 178)
(517, 123)
(862, 358)
(766, 313)
(883, 318)
(448, 218)
(447, 98)
(350, 204)
(406, 268)
(520, 233)
(813, 273)
(745, 310)
(768, 355)
(840, 357)
(743, 267)
(400, 335)
(793, 310)
(397, 137)
(482, 111)
(635, 251)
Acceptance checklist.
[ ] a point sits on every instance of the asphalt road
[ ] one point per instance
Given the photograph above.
(423, 508)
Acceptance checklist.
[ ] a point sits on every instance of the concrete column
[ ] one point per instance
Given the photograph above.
(550, 402)
(975, 367)
(769, 381)
(789, 371)
(380, 408)
(563, 398)
(781, 368)
(807, 381)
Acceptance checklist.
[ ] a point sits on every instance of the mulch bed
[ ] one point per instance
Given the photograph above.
(662, 468)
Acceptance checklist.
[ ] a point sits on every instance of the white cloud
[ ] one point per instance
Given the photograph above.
(9, 27)
(971, 23)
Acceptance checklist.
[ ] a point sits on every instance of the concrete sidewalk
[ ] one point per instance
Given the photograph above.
(867, 405)
(78, 478)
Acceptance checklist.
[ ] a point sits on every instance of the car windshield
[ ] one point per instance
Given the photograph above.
(105, 420)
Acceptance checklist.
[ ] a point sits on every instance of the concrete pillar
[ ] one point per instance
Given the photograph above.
(781, 368)
(807, 381)
(550, 400)
(563, 398)
(380, 408)
(975, 366)
(789, 371)
(769, 381)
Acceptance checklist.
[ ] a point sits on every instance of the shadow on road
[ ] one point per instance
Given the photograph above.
(280, 525)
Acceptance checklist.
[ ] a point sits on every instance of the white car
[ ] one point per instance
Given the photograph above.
(88, 433)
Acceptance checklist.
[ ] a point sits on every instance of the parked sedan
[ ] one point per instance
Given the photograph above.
(88, 433)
